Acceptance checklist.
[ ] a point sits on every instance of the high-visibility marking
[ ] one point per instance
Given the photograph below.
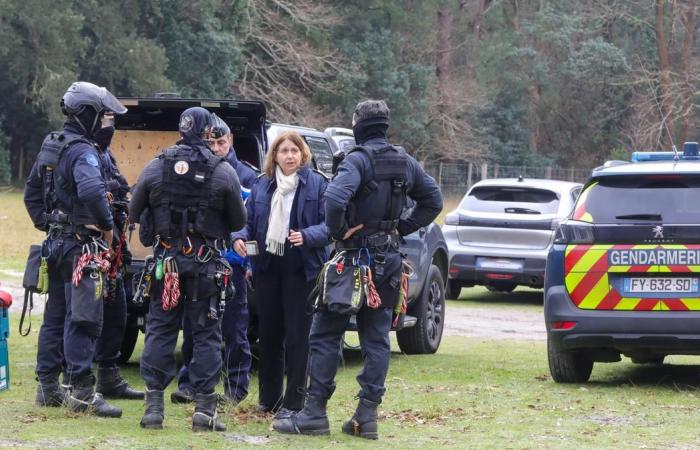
(588, 284)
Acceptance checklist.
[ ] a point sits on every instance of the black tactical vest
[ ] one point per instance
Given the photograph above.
(58, 190)
(186, 206)
(379, 202)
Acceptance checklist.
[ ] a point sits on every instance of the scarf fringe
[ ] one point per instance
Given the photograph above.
(276, 248)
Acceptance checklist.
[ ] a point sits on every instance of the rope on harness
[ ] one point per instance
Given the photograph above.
(118, 258)
(171, 285)
(373, 300)
(404, 296)
(100, 260)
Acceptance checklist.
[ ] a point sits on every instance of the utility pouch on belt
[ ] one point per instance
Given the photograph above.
(340, 286)
(33, 283)
(86, 301)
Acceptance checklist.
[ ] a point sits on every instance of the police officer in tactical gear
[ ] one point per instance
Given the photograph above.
(109, 381)
(364, 202)
(195, 200)
(237, 358)
(65, 196)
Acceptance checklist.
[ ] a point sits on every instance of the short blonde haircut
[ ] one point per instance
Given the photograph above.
(270, 158)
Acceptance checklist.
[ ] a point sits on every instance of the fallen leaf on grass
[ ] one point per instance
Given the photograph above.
(249, 414)
(415, 416)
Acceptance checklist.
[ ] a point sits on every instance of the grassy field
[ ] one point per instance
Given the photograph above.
(16, 233)
(471, 394)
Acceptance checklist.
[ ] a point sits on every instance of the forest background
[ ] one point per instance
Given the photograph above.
(568, 83)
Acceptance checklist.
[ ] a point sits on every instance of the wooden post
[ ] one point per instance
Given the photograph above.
(484, 171)
(495, 170)
(440, 175)
(469, 176)
(548, 172)
(571, 174)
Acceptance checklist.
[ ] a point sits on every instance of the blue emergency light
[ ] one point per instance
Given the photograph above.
(691, 151)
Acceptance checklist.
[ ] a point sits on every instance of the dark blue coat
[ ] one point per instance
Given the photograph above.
(79, 163)
(246, 175)
(310, 218)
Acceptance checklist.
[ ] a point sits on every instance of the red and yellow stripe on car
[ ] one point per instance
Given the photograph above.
(588, 268)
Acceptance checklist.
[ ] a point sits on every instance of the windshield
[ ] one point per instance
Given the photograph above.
(668, 198)
(511, 199)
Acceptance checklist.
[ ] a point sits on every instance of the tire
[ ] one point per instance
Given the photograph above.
(501, 286)
(131, 335)
(568, 366)
(453, 290)
(425, 336)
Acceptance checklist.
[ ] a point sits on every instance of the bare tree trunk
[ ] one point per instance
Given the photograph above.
(442, 63)
(665, 78)
(686, 55)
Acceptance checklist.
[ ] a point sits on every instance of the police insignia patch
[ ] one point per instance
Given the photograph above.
(92, 160)
(181, 167)
(186, 123)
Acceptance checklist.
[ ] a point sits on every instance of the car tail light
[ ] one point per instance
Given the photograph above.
(566, 325)
(452, 219)
(572, 232)
(499, 276)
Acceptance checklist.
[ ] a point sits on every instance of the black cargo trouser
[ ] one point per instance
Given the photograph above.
(158, 366)
(61, 341)
(109, 343)
(373, 327)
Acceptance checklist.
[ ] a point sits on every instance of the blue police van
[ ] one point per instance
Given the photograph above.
(151, 124)
(623, 275)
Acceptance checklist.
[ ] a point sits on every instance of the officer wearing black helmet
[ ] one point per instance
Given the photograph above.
(364, 202)
(65, 196)
(195, 201)
(237, 359)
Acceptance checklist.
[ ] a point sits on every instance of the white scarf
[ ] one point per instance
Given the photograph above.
(278, 227)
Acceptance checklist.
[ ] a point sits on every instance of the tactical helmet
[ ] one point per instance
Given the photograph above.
(219, 127)
(81, 94)
(195, 123)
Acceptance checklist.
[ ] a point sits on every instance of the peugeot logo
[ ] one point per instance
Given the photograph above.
(658, 232)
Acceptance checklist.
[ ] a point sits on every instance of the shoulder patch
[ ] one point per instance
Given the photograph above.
(91, 159)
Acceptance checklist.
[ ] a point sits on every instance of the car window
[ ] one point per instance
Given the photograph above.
(575, 192)
(511, 199)
(667, 198)
(344, 144)
(322, 153)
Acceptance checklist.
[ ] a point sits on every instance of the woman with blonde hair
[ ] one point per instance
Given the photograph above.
(286, 219)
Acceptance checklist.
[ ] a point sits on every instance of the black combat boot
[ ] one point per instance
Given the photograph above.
(311, 420)
(205, 417)
(111, 385)
(182, 396)
(155, 407)
(82, 398)
(364, 421)
(49, 392)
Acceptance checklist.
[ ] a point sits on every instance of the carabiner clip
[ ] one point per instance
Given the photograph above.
(189, 249)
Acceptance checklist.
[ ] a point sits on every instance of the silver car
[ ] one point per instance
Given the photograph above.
(500, 233)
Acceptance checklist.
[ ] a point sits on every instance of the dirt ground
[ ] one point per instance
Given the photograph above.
(495, 323)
